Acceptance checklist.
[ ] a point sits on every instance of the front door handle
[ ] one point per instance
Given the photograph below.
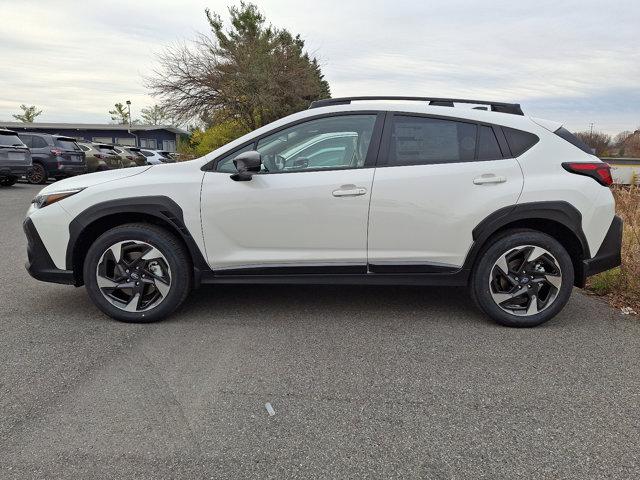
(349, 191)
(489, 178)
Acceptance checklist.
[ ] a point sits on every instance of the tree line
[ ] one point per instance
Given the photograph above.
(624, 144)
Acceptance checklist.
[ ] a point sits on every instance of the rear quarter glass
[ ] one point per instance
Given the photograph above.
(519, 141)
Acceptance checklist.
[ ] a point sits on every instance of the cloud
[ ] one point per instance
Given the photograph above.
(574, 61)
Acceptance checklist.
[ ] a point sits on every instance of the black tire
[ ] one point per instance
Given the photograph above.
(37, 175)
(8, 181)
(483, 291)
(175, 254)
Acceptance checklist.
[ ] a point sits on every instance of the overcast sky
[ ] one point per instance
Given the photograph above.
(573, 61)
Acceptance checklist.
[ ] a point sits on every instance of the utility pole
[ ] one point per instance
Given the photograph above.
(591, 131)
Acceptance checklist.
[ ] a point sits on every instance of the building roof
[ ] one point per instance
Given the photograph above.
(92, 126)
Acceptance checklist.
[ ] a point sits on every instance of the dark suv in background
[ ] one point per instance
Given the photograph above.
(54, 156)
(15, 158)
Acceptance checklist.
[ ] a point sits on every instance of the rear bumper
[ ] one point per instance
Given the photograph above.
(14, 170)
(608, 256)
(39, 263)
(69, 170)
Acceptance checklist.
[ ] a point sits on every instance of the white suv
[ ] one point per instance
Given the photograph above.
(362, 190)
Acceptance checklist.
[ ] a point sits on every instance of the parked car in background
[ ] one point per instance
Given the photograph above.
(15, 158)
(155, 157)
(132, 154)
(98, 161)
(110, 150)
(385, 193)
(170, 156)
(140, 159)
(53, 156)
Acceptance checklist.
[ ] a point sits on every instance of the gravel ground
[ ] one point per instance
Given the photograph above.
(366, 382)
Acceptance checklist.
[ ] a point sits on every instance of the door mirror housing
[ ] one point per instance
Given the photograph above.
(247, 163)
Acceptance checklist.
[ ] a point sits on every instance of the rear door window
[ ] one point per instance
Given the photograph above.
(39, 142)
(488, 146)
(27, 139)
(423, 141)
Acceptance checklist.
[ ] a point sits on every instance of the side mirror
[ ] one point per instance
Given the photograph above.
(247, 163)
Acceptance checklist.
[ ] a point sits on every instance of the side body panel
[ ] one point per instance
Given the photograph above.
(288, 218)
(425, 214)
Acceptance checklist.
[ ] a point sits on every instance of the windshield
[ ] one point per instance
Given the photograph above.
(67, 144)
(10, 140)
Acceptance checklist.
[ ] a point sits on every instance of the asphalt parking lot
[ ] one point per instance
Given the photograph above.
(366, 382)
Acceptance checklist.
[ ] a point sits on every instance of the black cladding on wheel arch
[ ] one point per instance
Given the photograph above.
(161, 207)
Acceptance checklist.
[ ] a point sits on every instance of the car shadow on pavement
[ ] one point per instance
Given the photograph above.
(344, 303)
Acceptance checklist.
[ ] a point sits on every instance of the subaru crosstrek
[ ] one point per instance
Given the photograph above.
(361, 190)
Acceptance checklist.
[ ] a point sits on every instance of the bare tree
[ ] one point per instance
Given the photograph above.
(599, 141)
(252, 73)
(619, 139)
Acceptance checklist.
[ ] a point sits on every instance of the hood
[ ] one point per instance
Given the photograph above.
(91, 179)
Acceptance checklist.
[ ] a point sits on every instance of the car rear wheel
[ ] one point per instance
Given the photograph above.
(8, 181)
(137, 273)
(523, 279)
(37, 174)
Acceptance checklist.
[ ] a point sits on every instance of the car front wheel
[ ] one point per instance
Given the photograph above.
(137, 273)
(523, 279)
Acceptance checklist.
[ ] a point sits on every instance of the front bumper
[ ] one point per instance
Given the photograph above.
(39, 263)
(609, 255)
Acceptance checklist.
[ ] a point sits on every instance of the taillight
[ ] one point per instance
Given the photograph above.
(99, 156)
(56, 152)
(599, 171)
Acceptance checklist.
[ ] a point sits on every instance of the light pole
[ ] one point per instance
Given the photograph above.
(129, 107)
(128, 102)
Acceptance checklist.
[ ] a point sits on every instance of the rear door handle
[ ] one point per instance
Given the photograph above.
(349, 191)
(489, 178)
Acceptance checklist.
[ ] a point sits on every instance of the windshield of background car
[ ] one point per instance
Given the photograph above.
(10, 139)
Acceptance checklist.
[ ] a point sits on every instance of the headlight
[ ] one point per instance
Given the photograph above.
(45, 199)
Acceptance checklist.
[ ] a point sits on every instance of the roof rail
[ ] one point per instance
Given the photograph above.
(513, 108)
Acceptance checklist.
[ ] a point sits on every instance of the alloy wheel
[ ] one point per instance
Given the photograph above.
(134, 276)
(36, 174)
(525, 280)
